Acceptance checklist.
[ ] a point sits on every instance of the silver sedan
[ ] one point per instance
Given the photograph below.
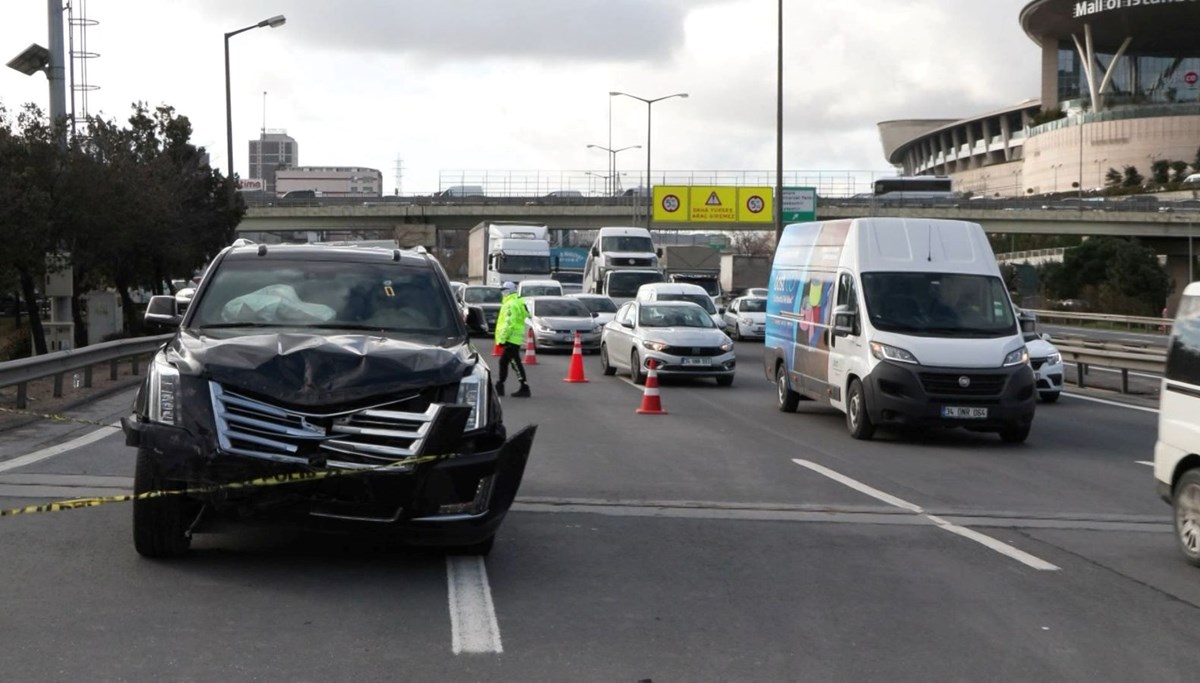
(679, 336)
(555, 320)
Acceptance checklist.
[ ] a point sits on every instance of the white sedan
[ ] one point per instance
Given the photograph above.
(679, 336)
(747, 317)
(603, 308)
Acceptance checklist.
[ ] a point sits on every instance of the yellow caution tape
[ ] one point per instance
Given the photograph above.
(261, 482)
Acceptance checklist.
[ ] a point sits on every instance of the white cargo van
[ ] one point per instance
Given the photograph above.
(897, 321)
(618, 248)
(1177, 452)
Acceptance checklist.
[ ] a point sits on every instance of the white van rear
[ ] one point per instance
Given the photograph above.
(895, 321)
(1177, 451)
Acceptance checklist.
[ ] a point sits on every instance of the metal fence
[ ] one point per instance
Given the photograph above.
(21, 372)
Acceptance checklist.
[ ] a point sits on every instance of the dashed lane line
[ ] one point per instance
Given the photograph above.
(58, 449)
(1111, 403)
(473, 625)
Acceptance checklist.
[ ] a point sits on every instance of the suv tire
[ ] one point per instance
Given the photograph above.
(160, 525)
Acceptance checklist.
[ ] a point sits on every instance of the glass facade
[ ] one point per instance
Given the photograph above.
(1137, 78)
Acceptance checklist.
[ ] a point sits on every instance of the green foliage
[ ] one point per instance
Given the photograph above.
(1131, 177)
(1160, 171)
(1179, 171)
(1046, 116)
(1113, 178)
(1122, 274)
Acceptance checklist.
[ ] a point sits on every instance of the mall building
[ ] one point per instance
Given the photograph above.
(1126, 74)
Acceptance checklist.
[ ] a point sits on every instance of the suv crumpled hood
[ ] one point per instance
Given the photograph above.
(317, 370)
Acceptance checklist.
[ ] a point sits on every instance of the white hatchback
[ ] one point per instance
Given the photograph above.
(746, 318)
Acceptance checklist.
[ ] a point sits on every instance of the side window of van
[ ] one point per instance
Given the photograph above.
(848, 297)
(1183, 359)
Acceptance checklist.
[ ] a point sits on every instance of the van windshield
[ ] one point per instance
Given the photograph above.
(938, 304)
(626, 283)
(627, 243)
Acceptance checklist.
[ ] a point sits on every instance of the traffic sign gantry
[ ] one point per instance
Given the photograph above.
(713, 204)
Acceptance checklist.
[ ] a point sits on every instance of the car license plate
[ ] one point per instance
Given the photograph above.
(697, 361)
(965, 413)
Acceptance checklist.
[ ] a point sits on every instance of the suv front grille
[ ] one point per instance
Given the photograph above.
(355, 439)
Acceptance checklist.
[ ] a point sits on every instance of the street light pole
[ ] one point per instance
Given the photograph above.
(612, 162)
(779, 132)
(274, 22)
(649, 109)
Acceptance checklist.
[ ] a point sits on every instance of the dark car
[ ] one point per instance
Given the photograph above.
(485, 297)
(344, 374)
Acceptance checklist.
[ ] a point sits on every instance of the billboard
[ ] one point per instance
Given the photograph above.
(713, 204)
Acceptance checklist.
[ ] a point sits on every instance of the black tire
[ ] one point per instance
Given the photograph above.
(1017, 431)
(858, 418)
(726, 381)
(635, 368)
(480, 549)
(1186, 504)
(1050, 397)
(160, 525)
(788, 399)
(609, 370)
(735, 334)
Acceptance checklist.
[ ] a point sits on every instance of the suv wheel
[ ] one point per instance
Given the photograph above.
(160, 525)
(1187, 515)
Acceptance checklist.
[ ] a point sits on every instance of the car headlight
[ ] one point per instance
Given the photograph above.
(472, 391)
(654, 345)
(1054, 358)
(727, 346)
(892, 353)
(163, 403)
(1016, 357)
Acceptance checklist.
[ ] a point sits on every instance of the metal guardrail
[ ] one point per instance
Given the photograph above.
(22, 371)
(1112, 355)
(1160, 324)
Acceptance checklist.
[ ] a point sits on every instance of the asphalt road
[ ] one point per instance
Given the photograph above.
(723, 541)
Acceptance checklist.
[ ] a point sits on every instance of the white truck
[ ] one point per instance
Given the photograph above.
(618, 248)
(740, 272)
(694, 264)
(507, 251)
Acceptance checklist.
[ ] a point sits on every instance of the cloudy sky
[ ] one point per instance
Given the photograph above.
(496, 85)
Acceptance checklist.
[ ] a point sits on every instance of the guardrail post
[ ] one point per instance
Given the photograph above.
(58, 385)
(112, 371)
(22, 396)
(1080, 371)
(1124, 380)
(133, 366)
(87, 377)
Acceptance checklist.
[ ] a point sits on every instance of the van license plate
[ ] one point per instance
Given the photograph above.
(697, 361)
(965, 413)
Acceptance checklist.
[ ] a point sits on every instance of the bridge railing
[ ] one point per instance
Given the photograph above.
(25, 370)
(1128, 321)
(1124, 358)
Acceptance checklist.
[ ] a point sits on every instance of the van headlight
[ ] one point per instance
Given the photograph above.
(1016, 357)
(472, 391)
(163, 402)
(893, 353)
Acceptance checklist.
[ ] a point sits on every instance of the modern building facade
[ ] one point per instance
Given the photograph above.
(1125, 75)
(330, 181)
(273, 149)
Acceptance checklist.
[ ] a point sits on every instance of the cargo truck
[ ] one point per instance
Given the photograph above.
(694, 265)
(507, 251)
(740, 272)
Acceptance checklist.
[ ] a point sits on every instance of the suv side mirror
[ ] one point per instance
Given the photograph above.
(163, 311)
(476, 321)
(845, 321)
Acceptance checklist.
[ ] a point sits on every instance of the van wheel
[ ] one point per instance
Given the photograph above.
(1187, 515)
(1050, 397)
(1017, 431)
(609, 370)
(788, 399)
(858, 420)
(635, 369)
(160, 525)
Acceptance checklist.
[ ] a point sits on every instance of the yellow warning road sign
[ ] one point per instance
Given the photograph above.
(713, 204)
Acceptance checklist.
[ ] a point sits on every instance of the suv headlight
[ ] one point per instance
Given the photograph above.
(472, 391)
(654, 345)
(1016, 357)
(1054, 358)
(893, 353)
(163, 402)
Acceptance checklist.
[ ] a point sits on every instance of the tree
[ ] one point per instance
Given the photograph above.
(1160, 171)
(1179, 171)
(1196, 161)
(754, 243)
(1123, 273)
(1112, 178)
(1132, 178)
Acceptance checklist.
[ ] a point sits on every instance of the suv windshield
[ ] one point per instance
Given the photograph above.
(627, 243)
(938, 304)
(329, 295)
(627, 283)
(483, 295)
(560, 308)
(699, 299)
(673, 316)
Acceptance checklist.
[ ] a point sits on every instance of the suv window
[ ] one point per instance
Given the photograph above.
(351, 295)
(1183, 359)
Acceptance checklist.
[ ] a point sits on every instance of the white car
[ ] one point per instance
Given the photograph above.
(1044, 358)
(528, 288)
(746, 317)
(678, 336)
(603, 308)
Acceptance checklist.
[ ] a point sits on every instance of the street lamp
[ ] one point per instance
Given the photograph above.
(649, 108)
(274, 22)
(1056, 167)
(612, 160)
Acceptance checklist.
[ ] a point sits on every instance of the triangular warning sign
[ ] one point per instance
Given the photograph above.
(713, 199)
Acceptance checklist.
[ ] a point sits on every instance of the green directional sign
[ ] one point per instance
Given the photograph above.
(799, 204)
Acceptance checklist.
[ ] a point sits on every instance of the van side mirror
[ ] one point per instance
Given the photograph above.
(163, 311)
(845, 322)
(658, 252)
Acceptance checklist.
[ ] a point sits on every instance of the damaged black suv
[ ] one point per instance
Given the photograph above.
(345, 373)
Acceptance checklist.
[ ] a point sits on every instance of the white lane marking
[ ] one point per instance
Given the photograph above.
(50, 452)
(1112, 403)
(983, 539)
(473, 622)
(1147, 463)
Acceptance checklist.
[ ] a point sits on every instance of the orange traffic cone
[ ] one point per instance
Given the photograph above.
(497, 350)
(530, 348)
(575, 372)
(651, 401)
